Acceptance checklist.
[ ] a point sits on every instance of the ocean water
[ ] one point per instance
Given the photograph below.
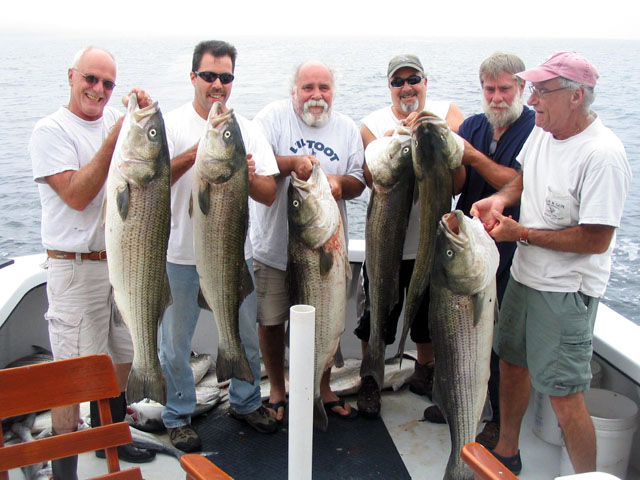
(33, 82)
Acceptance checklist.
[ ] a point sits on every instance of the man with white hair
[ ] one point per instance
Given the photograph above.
(572, 187)
(494, 139)
(303, 130)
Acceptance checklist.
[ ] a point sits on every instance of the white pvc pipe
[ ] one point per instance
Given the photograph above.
(301, 359)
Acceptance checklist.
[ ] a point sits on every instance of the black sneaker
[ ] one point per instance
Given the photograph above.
(421, 381)
(185, 438)
(260, 419)
(369, 398)
(434, 415)
(131, 453)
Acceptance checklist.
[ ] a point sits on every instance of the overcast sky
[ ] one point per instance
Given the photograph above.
(415, 18)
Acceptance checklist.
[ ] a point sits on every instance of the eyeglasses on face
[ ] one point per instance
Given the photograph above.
(542, 92)
(211, 77)
(398, 82)
(93, 80)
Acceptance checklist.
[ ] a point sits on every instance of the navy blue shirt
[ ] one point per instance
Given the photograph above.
(478, 132)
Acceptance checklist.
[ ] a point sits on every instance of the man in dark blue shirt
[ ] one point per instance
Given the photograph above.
(493, 140)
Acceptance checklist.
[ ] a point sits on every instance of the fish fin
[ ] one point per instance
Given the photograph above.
(237, 366)
(247, 282)
(204, 200)
(190, 206)
(487, 410)
(122, 200)
(338, 359)
(373, 363)
(326, 261)
(114, 313)
(168, 298)
(202, 302)
(320, 419)
(148, 384)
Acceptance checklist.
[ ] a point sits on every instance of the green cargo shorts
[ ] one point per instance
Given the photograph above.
(549, 333)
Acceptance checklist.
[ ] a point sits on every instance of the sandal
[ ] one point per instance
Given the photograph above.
(329, 407)
(512, 463)
(275, 407)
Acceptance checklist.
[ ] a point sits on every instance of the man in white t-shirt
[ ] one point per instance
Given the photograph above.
(302, 130)
(407, 83)
(212, 76)
(71, 152)
(572, 187)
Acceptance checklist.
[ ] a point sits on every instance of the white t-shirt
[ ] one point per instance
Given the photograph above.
(338, 147)
(581, 180)
(60, 142)
(184, 128)
(380, 122)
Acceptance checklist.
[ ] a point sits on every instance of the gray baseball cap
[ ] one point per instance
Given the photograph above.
(401, 61)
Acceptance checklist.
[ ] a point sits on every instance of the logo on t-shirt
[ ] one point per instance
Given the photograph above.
(314, 147)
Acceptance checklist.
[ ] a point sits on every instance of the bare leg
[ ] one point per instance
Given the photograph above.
(577, 428)
(65, 419)
(272, 347)
(425, 353)
(514, 400)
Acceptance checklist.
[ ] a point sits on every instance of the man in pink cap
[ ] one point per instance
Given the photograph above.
(574, 180)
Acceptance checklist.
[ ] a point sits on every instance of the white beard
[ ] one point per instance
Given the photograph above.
(315, 120)
(411, 107)
(506, 117)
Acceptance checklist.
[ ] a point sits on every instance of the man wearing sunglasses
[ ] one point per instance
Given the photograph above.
(302, 130)
(494, 139)
(407, 84)
(71, 151)
(571, 189)
(212, 76)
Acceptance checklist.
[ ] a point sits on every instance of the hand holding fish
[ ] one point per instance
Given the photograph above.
(304, 166)
(144, 99)
(506, 229)
(485, 208)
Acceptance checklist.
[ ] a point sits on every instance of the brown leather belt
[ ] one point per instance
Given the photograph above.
(101, 255)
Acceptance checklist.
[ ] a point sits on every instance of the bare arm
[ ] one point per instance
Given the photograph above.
(486, 208)
(345, 187)
(261, 188)
(78, 188)
(495, 174)
(181, 164)
(301, 164)
(454, 117)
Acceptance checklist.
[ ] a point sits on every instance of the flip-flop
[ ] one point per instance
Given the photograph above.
(276, 406)
(328, 406)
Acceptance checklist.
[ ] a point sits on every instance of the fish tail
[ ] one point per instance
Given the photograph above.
(320, 419)
(146, 384)
(228, 367)
(373, 364)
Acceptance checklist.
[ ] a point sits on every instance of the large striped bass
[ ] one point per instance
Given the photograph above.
(462, 312)
(318, 268)
(436, 152)
(389, 161)
(137, 219)
(220, 212)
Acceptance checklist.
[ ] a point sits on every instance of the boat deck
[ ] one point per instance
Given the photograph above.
(423, 446)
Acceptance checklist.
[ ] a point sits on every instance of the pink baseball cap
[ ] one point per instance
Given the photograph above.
(569, 65)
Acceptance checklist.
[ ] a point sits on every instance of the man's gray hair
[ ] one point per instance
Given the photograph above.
(589, 92)
(78, 56)
(501, 62)
(294, 77)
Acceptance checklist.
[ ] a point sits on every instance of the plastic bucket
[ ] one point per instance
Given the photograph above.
(615, 418)
(545, 424)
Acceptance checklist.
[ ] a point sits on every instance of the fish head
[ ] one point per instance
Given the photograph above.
(142, 143)
(389, 159)
(466, 257)
(312, 211)
(433, 139)
(221, 152)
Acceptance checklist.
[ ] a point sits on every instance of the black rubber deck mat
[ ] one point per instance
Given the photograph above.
(359, 449)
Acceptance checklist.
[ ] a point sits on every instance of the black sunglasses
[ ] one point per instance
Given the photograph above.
(398, 82)
(211, 77)
(93, 80)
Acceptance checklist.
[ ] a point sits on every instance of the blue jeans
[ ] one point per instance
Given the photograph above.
(177, 327)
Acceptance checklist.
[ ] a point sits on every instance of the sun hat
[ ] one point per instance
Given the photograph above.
(401, 61)
(569, 65)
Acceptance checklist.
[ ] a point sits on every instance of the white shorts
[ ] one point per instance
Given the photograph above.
(79, 314)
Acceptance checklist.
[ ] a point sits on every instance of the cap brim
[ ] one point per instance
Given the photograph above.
(537, 74)
(403, 65)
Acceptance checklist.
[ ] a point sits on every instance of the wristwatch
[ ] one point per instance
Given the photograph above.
(524, 236)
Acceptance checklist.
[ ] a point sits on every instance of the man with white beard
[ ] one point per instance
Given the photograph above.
(407, 83)
(302, 130)
(493, 140)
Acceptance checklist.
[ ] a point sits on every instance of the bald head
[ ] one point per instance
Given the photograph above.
(312, 93)
(91, 78)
